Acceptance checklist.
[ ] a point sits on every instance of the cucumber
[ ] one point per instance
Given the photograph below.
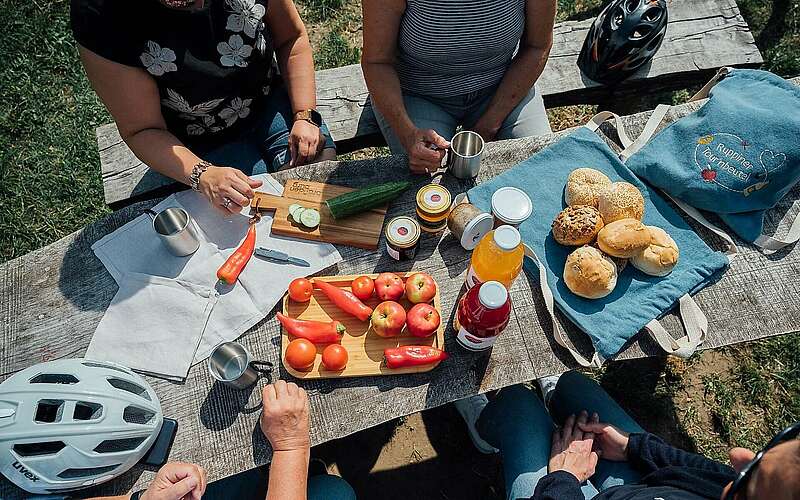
(292, 208)
(309, 218)
(297, 213)
(362, 200)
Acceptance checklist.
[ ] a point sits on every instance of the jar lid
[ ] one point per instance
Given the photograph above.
(433, 199)
(402, 231)
(511, 205)
(492, 295)
(475, 230)
(507, 237)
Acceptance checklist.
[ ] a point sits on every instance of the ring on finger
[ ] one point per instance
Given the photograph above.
(226, 202)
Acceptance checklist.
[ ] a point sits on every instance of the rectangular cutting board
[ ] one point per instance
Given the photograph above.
(364, 346)
(360, 230)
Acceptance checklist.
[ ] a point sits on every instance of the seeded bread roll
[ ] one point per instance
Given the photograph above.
(584, 185)
(660, 257)
(576, 226)
(621, 200)
(590, 274)
(623, 238)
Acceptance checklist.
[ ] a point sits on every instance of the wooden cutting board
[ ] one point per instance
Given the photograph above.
(361, 230)
(364, 346)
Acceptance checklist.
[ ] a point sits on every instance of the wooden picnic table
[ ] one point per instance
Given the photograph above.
(52, 299)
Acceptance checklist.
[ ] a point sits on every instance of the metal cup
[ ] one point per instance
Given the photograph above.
(232, 364)
(176, 230)
(465, 153)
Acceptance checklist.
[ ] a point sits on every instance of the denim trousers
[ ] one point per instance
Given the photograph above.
(518, 424)
(252, 485)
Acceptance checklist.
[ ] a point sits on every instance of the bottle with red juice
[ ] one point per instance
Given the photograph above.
(483, 313)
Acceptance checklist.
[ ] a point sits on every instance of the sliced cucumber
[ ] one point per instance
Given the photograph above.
(292, 208)
(309, 218)
(297, 213)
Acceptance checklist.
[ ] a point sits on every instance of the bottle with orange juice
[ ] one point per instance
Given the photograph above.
(498, 257)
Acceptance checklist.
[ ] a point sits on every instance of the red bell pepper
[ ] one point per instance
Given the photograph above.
(318, 332)
(229, 272)
(345, 300)
(413, 355)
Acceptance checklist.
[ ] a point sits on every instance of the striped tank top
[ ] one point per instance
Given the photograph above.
(452, 47)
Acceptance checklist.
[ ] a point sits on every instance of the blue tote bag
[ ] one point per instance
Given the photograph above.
(737, 156)
(638, 300)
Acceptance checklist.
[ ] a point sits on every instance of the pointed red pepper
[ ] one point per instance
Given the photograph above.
(318, 332)
(344, 300)
(413, 355)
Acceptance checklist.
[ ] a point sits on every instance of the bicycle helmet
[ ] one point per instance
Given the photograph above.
(625, 35)
(73, 423)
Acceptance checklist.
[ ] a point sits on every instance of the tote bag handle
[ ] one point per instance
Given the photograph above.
(594, 123)
(695, 323)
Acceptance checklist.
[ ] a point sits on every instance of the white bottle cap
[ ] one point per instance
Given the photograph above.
(507, 237)
(511, 205)
(492, 295)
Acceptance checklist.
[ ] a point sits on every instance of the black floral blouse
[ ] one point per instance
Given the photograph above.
(213, 66)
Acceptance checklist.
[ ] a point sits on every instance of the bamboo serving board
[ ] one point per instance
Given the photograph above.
(364, 346)
(361, 230)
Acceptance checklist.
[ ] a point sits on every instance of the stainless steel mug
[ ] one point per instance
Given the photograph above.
(232, 364)
(465, 154)
(176, 230)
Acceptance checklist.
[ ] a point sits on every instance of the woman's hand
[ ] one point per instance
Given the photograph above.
(177, 481)
(422, 157)
(571, 449)
(610, 442)
(220, 184)
(284, 420)
(305, 143)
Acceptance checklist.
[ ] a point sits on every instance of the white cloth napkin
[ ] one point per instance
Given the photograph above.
(135, 248)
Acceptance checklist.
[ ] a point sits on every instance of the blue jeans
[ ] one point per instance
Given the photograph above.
(264, 145)
(517, 423)
(252, 485)
(445, 115)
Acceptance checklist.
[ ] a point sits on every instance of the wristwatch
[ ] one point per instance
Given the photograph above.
(197, 170)
(310, 115)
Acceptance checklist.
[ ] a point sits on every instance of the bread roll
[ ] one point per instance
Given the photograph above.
(577, 226)
(623, 238)
(621, 263)
(621, 200)
(584, 185)
(660, 257)
(590, 274)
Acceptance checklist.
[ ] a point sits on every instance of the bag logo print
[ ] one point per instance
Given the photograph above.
(724, 159)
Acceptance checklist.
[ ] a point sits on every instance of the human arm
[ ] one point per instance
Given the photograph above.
(293, 52)
(174, 481)
(381, 26)
(284, 421)
(525, 68)
(572, 462)
(131, 96)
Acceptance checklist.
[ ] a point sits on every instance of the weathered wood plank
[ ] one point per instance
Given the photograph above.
(52, 299)
(702, 36)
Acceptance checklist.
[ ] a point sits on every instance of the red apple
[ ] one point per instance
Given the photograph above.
(423, 320)
(389, 286)
(388, 319)
(420, 287)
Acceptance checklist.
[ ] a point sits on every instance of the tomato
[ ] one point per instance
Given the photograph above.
(300, 354)
(300, 290)
(334, 357)
(362, 287)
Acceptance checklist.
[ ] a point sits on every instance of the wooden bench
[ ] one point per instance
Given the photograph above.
(703, 35)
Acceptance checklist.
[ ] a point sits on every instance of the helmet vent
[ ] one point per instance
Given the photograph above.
(632, 5)
(641, 31)
(136, 415)
(127, 386)
(87, 411)
(652, 15)
(54, 378)
(95, 364)
(49, 411)
(92, 471)
(38, 449)
(117, 445)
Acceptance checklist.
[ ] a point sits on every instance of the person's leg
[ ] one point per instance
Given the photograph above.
(247, 485)
(517, 423)
(240, 153)
(329, 487)
(574, 393)
(528, 118)
(425, 114)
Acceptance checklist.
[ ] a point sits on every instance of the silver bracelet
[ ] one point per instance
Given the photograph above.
(197, 171)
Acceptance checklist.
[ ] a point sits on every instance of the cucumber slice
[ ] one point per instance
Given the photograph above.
(292, 208)
(310, 218)
(297, 213)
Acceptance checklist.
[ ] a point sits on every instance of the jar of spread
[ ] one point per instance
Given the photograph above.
(402, 238)
(433, 207)
(469, 224)
(511, 206)
(483, 313)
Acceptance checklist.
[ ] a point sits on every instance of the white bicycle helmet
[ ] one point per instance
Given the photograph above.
(73, 423)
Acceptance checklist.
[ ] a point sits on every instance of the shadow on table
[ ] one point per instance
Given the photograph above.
(223, 404)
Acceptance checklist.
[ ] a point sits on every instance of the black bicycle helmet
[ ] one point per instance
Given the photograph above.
(625, 35)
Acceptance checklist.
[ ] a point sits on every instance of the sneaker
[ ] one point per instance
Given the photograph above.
(470, 409)
(547, 386)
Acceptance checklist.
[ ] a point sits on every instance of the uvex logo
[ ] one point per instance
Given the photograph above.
(25, 472)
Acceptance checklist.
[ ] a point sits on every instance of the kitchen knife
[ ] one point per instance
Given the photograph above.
(268, 253)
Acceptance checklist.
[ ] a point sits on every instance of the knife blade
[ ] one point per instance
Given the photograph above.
(268, 253)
